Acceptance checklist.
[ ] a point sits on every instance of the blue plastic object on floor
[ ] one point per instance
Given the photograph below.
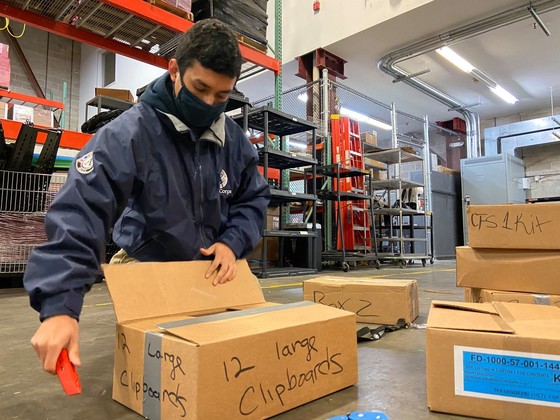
(362, 415)
(367, 415)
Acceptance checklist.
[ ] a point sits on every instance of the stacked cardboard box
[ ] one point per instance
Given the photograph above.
(4, 110)
(500, 358)
(43, 117)
(121, 94)
(21, 113)
(185, 349)
(513, 248)
(4, 66)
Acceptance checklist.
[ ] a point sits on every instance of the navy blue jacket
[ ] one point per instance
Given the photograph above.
(166, 191)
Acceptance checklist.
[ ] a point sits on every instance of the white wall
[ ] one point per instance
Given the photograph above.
(304, 30)
(130, 74)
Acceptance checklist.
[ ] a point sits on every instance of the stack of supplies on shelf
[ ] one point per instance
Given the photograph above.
(247, 17)
(4, 67)
(513, 254)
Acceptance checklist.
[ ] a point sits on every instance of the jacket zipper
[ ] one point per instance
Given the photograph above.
(200, 216)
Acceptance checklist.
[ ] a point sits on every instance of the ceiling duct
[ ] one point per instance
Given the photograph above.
(388, 63)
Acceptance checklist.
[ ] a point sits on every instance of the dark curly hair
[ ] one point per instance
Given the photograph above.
(213, 44)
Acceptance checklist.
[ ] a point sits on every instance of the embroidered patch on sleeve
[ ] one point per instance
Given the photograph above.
(84, 165)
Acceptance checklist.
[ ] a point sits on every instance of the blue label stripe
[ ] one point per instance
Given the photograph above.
(509, 376)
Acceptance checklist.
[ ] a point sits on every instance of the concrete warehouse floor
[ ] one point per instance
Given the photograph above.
(392, 375)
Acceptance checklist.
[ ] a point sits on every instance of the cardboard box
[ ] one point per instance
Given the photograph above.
(372, 163)
(20, 113)
(514, 226)
(173, 6)
(273, 218)
(272, 250)
(43, 117)
(374, 301)
(3, 110)
(510, 270)
(369, 138)
(185, 349)
(122, 94)
(5, 70)
(485, 295)
(493, 360)
(379, 174)
(446, 170)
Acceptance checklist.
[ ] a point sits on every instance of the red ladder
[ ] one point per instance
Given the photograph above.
(354, 218)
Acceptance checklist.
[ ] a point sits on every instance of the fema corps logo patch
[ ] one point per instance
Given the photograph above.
(223, 179)
(223, 183)
(84, 165)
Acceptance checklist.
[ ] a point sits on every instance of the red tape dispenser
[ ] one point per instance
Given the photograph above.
(67, 374)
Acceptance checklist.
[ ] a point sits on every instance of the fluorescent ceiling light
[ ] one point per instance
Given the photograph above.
(455, 59)
(365, 119)
(504, 94)
(467, 67)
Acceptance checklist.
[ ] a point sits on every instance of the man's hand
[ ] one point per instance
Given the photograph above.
(224, 263)
(54, 334)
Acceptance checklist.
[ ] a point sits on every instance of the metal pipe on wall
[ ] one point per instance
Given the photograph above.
(388, 63)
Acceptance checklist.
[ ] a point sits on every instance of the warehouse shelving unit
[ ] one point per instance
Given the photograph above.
(355, 239)
(395, 224)
(133, 28)
(271, 121)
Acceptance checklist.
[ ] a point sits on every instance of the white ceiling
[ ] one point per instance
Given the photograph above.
(519, 57)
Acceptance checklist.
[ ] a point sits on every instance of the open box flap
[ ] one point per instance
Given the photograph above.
(467, 316)
(234, 324)
(147, 290)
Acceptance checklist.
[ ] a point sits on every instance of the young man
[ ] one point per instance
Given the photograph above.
(174, 176)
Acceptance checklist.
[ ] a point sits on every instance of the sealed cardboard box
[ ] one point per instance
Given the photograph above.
(188, 350)
(43, 117)
(369, 138)
(177, 7)
(122, 94)
(514, 226)
(375, 164)
(21, 113)
(3, 110)
(4, 66)
(511, 270)
(375, 301)
(493, 360)
(485, 295)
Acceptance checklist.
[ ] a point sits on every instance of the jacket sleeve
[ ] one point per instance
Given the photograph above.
(100, 182)
(247, 209)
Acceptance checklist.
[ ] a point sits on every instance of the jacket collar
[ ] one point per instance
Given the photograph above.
(216, 133)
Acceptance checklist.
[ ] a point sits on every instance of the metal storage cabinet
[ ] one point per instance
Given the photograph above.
(494, 179)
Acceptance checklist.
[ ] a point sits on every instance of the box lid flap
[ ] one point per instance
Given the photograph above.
(325, 281)
(487, 308)
(146, 290)
(538, 321)
(467, 316)
(233, 324)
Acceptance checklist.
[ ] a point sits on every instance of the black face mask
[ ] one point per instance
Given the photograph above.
(195, 112)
